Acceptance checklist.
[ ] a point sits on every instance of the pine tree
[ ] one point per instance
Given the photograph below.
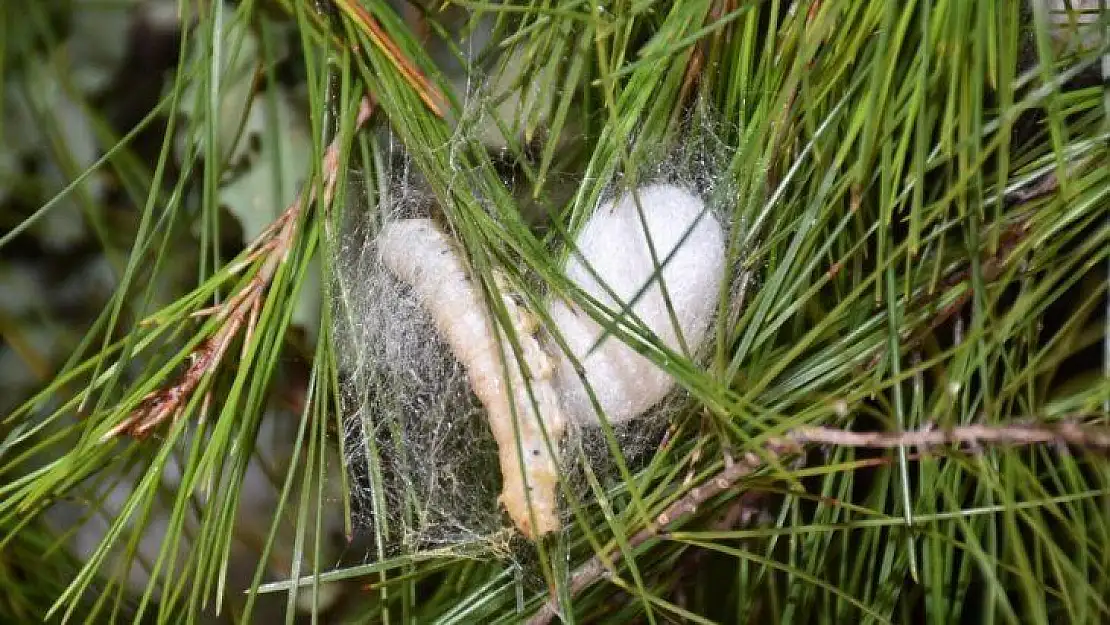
(229, 395)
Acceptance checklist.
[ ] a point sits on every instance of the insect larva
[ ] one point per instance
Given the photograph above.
(423, 257)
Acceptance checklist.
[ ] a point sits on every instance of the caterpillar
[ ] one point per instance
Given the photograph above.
(421, 255)
(613, 263)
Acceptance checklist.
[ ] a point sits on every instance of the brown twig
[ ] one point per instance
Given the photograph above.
(973, 436)
(271, 248)
(1089, 437)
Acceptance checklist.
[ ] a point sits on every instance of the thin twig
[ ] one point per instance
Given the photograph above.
(975, 437)
(1089, 437)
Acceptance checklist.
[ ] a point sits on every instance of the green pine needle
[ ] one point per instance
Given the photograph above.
(917, 194)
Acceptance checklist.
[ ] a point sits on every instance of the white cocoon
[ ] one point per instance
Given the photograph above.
(614, 244)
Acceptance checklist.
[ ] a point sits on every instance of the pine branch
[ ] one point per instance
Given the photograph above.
(975, 437)
(271, 248)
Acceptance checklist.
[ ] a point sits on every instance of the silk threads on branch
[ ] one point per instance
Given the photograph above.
(651, 262)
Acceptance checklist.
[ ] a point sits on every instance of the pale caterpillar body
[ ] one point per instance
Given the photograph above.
(421, 255)
(689, 245)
